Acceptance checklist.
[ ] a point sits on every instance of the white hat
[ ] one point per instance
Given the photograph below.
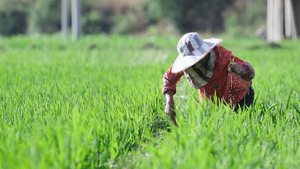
(192, 48)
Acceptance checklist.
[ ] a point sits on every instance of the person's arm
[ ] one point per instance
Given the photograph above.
(169, 89)
(170, 106)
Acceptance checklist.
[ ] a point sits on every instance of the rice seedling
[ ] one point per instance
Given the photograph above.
(97, 103)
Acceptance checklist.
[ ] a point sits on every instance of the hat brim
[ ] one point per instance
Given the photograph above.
(184, 62)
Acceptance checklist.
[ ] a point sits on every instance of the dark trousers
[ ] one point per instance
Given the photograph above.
(246, 101)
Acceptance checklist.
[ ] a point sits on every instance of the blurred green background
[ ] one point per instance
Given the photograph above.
(237, 18)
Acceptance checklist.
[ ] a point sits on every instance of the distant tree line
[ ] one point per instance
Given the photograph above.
(192, 14)
(129, 16)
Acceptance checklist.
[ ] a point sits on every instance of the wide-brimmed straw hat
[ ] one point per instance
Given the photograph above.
(192, 48)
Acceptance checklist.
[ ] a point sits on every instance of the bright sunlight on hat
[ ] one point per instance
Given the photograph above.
(192, 48)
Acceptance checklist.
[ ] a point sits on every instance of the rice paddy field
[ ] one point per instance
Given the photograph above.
(97, 103)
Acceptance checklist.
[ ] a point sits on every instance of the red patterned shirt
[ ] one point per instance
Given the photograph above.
(229, 87)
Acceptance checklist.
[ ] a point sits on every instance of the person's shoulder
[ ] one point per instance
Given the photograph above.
(221, 49)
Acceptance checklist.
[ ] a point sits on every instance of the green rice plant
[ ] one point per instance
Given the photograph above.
(97, 103)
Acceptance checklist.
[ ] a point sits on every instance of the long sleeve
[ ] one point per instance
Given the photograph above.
(249, 71)
(170, 80)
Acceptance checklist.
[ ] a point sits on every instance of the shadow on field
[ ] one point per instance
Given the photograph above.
(92, 46)
(2, 48)
(266, 46)
(32, 46)
(150, 46)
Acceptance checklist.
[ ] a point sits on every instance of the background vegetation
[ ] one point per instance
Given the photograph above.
(238, 18)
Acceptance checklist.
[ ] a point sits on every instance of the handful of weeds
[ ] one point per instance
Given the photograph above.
(231, 62)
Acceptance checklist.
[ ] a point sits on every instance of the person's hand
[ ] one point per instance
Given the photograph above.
(170, 110)
(237, 69)
(174, 121)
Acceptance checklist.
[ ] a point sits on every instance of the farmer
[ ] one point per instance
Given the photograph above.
(212, 69)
